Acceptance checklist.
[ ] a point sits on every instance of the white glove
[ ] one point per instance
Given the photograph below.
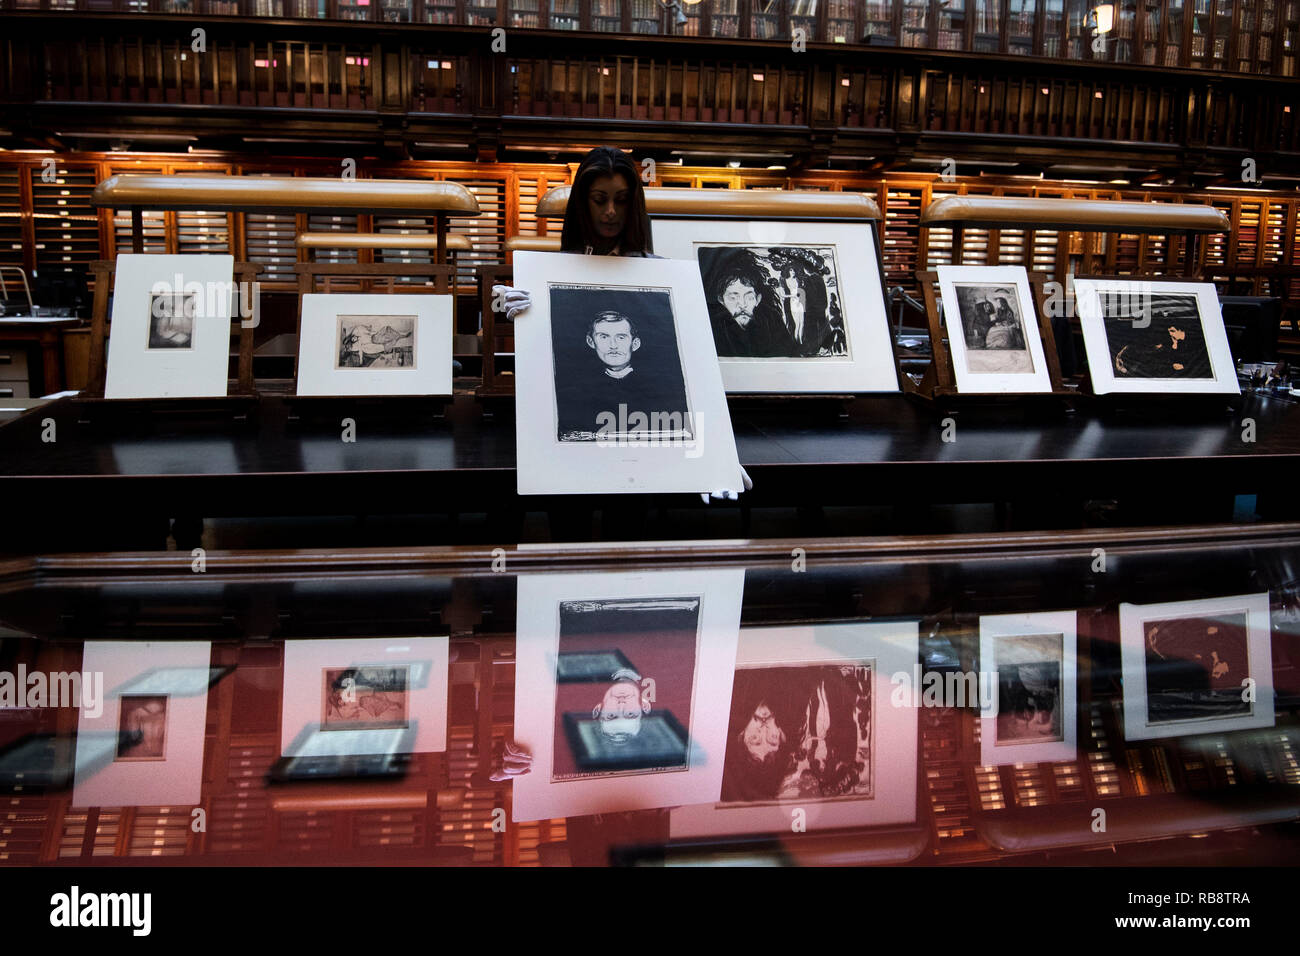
(515, 763)
(730, 495)
(513, 301)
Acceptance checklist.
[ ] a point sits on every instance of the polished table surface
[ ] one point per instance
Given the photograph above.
(887, 449)
(246, 648)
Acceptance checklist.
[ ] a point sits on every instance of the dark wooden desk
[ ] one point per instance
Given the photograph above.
(887, 452)
(43, 331)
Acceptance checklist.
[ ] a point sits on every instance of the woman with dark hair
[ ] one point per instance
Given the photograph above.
(605, 216)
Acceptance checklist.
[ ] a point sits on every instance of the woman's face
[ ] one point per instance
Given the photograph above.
(607, 202)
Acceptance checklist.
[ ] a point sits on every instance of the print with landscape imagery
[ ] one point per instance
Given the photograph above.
(1195, 666)
(1155, 335)
(376, 341)
(993, 328)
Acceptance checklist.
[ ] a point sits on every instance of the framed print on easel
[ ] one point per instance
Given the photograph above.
(170, 334)
(375, 345)
(1154, 337)
(793, 306)
(993, 329)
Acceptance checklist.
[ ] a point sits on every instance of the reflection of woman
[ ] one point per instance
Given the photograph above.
(605, 216)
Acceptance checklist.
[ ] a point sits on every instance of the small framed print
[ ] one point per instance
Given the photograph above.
(617, 384)
(814, 722)
(1193, 667)
(349, 698)
(1031, 660)
(170, 333)
(1145, 336)
(993, 329)
(142, 728)
(375, 345)
(152, 722)
(649, 732)
(793, 306)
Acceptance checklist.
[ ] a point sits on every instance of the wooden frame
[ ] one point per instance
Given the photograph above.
(939, 379)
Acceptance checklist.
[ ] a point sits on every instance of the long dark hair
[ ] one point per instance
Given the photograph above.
(579, 230)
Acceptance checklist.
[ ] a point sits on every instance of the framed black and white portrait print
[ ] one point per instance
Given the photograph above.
(1148, 336)
(993, 329)
(793, 307)
(814, 724)
(617, 387)
(375, 345)
(1194, 667)
(621, 689)
(171, 326)
(1030, 664)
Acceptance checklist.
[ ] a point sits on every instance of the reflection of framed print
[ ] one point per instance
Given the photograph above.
(660, 742)
(814, 724)
(1034, 716)
(1188, 666)
(617, 387)
(1144, 336)
(354, 697)
(646, 735)
(993, 329)
(365, 698)
(157, 759)
(375, 345)
(142, 728)
(793, 306)
(170, 333)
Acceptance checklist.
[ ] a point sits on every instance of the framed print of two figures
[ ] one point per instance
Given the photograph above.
(794, 307)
